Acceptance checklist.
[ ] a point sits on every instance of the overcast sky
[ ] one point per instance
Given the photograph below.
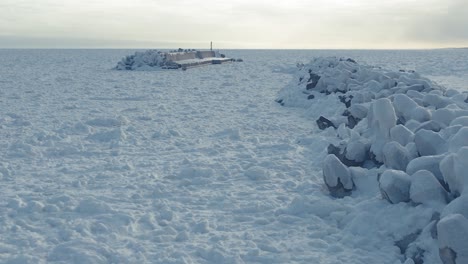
(299, 24)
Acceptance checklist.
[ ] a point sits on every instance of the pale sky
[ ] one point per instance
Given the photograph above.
(293, 24)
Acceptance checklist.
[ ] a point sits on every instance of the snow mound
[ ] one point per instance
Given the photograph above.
(413, 132)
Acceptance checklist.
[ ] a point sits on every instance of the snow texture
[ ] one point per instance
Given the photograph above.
(202, 166)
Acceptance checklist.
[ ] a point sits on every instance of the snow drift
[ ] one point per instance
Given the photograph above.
(413, 132)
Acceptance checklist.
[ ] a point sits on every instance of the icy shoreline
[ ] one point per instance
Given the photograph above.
(407, 132)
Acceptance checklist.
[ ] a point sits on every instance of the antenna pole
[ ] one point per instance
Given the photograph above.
(211, 45)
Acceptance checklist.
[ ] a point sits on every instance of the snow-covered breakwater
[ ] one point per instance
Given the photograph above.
(155, 59)
(399, 131)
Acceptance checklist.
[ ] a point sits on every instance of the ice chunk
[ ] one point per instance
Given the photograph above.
(454, 169)
(436, 100)
(420, 114)
(426, 189)
(412, 150)
(430, 125)
(381, 118)
(358, 110)
(429, 143)
(461, 120)
(443, 116)
(395, 186)
(447, 168)
(459, 140)
(457, 206)
(412, 125)
(337, 177)
(404, 106)
(452, 233)
(395, 156)
(401, 134)
(451, 92)
(414, 94)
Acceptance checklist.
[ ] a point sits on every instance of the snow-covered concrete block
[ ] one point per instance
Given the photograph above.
(395, 186)
(426, 189)
(429, 143)
(395, 156)
(337, 177)
(452, 233)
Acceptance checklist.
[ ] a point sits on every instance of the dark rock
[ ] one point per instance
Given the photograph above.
(239, 60)
(280, 101)
(313, 80)
(350, 60)
(403, 243)
(310, 97)
(373, 158)
(223, 56)
(352, 121)
(346, 100)
(324, 123)
(339, 191)
(418, 258)
(400, 121)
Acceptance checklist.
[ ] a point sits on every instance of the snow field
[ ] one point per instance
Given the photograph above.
(411, 131)
(202, 166)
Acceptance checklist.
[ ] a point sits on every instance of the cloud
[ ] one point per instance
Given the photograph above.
(448, 26)
(240, 23)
